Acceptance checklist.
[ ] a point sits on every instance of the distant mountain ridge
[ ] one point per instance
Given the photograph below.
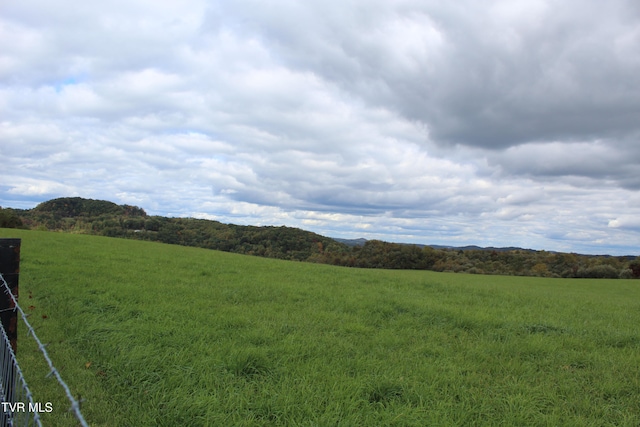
(351, 242)
(362, 242)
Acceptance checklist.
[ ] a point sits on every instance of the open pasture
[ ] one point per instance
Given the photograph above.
(153, 334)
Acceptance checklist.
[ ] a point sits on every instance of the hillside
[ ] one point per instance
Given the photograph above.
(77, 215)
(162, 335)
(73, 207)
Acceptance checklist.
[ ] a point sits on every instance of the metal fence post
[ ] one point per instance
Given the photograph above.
(10, 269)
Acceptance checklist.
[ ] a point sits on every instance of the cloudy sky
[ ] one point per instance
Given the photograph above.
(494, 123)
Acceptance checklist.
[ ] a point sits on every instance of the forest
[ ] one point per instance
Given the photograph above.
(98, 217)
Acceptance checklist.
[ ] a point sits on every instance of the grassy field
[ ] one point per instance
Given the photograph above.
(151, 334)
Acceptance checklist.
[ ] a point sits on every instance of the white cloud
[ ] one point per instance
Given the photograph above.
(626, 222)
(456, 123)
(39, 187)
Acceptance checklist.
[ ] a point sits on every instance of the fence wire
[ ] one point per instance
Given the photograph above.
(18, 408)
(13, 407)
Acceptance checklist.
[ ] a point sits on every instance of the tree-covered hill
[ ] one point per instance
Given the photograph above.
(71, 207)
(78, 215)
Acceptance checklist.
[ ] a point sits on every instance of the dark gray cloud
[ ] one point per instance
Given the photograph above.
(510, 123)
(482, 75)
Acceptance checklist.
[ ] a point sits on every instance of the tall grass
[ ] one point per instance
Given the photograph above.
(151, 334)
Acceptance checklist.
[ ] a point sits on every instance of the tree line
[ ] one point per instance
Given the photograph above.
(78, 215)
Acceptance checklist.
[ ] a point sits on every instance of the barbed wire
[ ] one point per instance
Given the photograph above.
(75, 405)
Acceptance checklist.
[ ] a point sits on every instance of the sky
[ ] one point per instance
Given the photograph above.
(495, 123)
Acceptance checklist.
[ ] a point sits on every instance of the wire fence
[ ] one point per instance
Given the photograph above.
(18, 406)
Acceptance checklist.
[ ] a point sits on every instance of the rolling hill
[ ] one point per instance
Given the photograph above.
(77, 215)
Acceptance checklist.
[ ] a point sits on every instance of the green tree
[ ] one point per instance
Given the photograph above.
(540, 270)
(9, 219)
(635, 268)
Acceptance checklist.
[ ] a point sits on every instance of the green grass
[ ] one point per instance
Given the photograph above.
(151, 334)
